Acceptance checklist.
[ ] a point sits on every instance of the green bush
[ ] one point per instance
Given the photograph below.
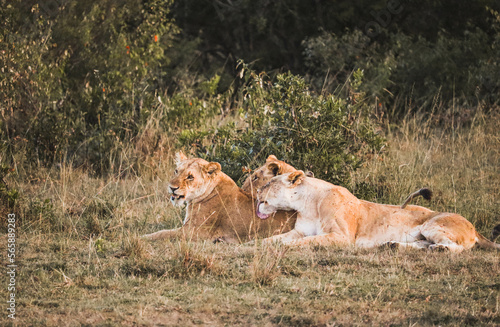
(91, 82)
(281, 116)
(79, 79)
(403, 68)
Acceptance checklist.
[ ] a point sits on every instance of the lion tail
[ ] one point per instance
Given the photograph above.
(495, 233)
(424, 192)
(487, 244)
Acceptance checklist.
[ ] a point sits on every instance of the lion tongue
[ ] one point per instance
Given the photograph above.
(260, 214)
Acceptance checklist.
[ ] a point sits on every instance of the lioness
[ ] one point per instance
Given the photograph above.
(330, 214)
(262, 175)
(217, 209)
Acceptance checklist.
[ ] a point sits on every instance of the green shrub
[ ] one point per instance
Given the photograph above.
(79, 79)
(281, 116)
(406, 68)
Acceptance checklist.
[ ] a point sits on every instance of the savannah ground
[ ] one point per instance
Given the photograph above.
(97, 96)
(81, 262)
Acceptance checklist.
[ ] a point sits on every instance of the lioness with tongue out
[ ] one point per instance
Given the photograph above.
(217, 209)
(330, 214)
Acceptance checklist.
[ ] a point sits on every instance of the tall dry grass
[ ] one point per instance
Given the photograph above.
(455, 156)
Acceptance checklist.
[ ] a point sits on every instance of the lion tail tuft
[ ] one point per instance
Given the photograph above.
(424, 192)
(495, 233)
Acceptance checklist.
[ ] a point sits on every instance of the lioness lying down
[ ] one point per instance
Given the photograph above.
(330, 214)
(217, 209)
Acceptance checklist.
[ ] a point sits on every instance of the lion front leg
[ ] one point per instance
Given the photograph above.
(324, 240)
(164, 234)
(284, 238)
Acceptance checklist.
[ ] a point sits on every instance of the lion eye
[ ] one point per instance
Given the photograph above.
(190, 177)
(255, 178)
(176, 172)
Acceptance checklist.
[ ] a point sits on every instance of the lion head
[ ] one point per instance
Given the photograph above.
(279, 194)
(262, 175)
(194, 179)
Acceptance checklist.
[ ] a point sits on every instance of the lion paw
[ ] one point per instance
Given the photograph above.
(438, 248)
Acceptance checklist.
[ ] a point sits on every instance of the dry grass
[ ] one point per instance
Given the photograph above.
(265, 267)
(77, 285)
(459, 162)
(81, 261)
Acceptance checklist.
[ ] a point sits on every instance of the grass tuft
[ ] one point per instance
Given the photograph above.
(265, 266)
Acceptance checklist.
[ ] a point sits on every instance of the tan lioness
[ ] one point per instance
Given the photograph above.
(330, 214)
(217, 209)
(262, 175)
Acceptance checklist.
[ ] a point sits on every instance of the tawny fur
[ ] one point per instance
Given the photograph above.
(217, 209)
(330, 214)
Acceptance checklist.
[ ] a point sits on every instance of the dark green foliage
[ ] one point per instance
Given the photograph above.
(80, 78)
(192, 108)
(324, 134)
(81, 82)
(272, 31)
(411, 51)
(404, 67)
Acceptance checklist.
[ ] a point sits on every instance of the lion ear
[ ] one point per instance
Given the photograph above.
(212, 167)
(309, 173)
(275, 168)
(272, 157)
(179, 157)
(296, 177)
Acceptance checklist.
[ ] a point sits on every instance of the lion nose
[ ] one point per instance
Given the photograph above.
(172, 189)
